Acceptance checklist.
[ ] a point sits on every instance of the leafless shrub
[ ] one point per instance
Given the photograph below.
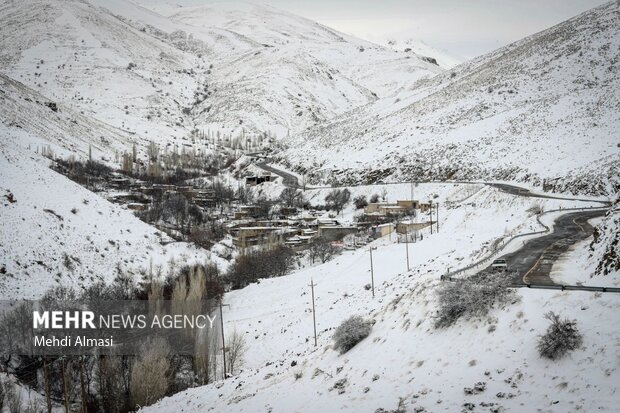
(350, 332)
(34, 406)
(472, 297)
(536, 208)
(360, 201)
(254, 265)
(562, 336)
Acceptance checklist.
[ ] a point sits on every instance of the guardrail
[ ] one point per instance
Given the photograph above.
(570, 288)
(503, 244)
(559, 287)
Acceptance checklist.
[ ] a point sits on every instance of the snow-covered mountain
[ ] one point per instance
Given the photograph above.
(78, 55)
(443, 59)
(545, 107)
(216, 68)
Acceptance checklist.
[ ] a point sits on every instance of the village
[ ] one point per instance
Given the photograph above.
(254, 224)
(209, 208)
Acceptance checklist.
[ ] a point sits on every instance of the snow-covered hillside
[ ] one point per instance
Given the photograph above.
(405, 359)
(55, 232)
(545, 107)
(218, 69)
(78, 55)
(420, 48)
(60, 127)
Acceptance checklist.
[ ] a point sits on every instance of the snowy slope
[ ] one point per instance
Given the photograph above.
(376, 68)
(55, 232)
(77, 54)
(443, 59)
(62, 128)
(405, 357)
(222, 69)
(545, 107)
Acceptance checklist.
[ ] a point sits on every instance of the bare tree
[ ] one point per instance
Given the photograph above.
(322, 249)
(150, 375)
(205, 355)
(1, 395)
(291, 197)
(109, 382)
(13, 397)
(235, 350)
(337, 199)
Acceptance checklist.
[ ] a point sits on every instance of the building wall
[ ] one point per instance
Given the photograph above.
(335, 233)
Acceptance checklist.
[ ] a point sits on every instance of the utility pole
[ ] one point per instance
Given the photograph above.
(312, 284)
(223, 341)
(430, 213)
(407, 245)
(372, 274)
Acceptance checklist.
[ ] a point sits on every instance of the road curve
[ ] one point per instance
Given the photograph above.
(288, 179)
(532, 263)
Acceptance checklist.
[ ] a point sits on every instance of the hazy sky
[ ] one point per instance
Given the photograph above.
(464, 28)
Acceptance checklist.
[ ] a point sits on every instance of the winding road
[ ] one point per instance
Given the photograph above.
(288, 179)
(532, 263)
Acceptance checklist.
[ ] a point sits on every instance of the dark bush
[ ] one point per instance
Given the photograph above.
(350, 332)
(253, 265)
(561, 337)
(360, 201)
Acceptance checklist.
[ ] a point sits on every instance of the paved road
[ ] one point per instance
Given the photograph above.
(293, 182)
(516, 190)
(288, 179)
(532, 263)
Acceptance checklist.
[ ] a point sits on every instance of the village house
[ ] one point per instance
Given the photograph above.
(409, 227)
(302, 240)
(376, 210)
(245, 211)
(244, 237)
(258, 179)
(335, 232)
(383, 230)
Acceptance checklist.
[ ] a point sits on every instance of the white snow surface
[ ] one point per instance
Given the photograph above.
(40, 228)
(213, 68)
(545, 107)
(405, 357)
